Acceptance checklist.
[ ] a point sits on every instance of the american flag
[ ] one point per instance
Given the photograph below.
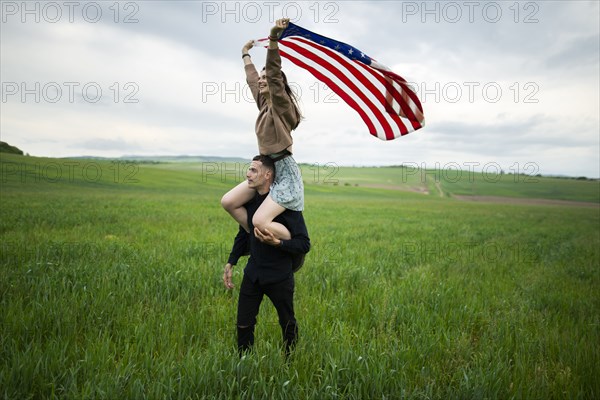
(383, 99)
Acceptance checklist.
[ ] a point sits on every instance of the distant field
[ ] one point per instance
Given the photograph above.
(456, 182)
(111, 287)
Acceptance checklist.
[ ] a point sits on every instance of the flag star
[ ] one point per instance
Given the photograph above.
(337, 46)
(322, 42)
(350, 51)
(362, 55)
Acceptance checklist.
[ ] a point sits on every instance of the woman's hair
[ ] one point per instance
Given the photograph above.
(292, 95)
(294, 98)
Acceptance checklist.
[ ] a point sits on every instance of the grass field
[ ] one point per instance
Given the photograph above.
(111, 287)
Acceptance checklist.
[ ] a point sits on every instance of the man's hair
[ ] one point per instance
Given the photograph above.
(267, 162)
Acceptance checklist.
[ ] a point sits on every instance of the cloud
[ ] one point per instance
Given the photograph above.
(576, 53)
(180, 62)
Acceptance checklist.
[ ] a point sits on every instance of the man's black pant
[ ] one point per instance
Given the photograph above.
(281, 295)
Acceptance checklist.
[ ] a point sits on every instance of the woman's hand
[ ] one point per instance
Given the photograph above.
(279, 27)
(267, 237)
(247, 47)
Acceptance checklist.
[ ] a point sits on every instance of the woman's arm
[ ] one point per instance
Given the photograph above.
(251, 74)
(279, 98)
(246, 52)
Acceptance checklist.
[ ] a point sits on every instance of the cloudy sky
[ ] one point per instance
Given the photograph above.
(504, 84)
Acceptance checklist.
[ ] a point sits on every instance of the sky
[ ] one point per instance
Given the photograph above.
(505, 85)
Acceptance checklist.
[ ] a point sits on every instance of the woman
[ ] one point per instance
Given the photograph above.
(278, 115)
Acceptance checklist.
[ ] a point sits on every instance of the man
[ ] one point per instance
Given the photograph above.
(271, 264)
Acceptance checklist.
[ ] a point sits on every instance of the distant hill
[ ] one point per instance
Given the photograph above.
(7, 148)
(159, 159)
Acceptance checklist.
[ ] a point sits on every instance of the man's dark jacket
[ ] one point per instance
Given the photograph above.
(270, 264)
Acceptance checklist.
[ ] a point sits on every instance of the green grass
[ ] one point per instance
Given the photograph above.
(523, 186)
(457, 182)
(111, 288)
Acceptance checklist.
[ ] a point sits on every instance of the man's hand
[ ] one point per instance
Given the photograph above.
(266, 237)
(227, 276)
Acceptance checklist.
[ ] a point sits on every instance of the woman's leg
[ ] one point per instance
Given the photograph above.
(234, 200)
(264, 216)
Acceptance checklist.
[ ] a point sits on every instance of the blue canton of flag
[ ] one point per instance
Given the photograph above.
(345, 49)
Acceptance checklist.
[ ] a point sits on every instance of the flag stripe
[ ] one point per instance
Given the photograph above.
(402, 82)
(408, 109)
(413, 105)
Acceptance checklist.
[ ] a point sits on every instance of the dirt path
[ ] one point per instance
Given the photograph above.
(439, 188)
(485, 199)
